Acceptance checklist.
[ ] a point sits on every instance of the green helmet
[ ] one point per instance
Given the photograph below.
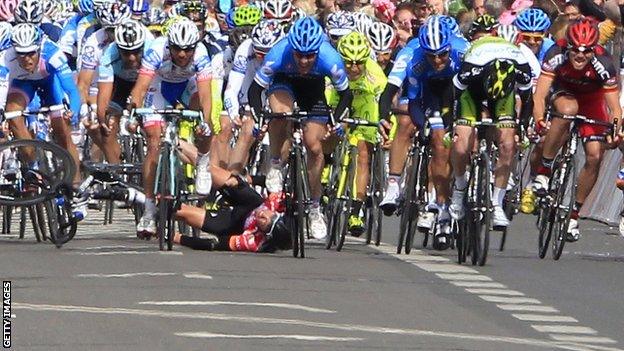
(171, 20)
(483, 23)
(501, 79)
(354, 47)
(247, 15)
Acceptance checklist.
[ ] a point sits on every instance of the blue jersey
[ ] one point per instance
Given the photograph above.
(67, 41)
(111, 66)
(53, 80)
(402, 60)
(280, 59)
(546, 44)
(420, 71)
(52, 30)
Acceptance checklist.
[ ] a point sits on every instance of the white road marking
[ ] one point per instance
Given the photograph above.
(421, 258)
(495, 292)
(583, 339)
(129, 252)
(563, 329)
(549, 345)
(124, 275)
(445, 268)
(235, 303)
(113, 247)
(269, 336)
(464, 277)
(544, 318)
(13, 316)
(528, 308)
(510, 300)
(485, 285)
(194, 275)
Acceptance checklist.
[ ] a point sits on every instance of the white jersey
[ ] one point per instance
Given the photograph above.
(536, 68)
(244, 67)
(93, 49)
(157, 62)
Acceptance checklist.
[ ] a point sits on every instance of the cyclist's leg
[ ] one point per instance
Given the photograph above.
(504, 114)
(565, 104)
(221, 143)
(110, 143)
(239, 155)
(441, 101)
(19, 96)
(281, 100)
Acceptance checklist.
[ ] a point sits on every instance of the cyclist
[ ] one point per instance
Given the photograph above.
(294, 71)
(584, 81)
(37, 65)
(7, 10)
(383, 41)
(533, 25)
(339, 24)
(493, 71)
(68, 42)
(117, 73)
(279, 10)
(430, 93)
(484, 25)
(174, 69)
(367, 81)
(139, 9)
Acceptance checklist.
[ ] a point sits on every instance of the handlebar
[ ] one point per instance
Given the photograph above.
(186, 114)
(15, 114)
(358, 122)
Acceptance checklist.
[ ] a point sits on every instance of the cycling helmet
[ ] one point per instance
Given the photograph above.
(183, 33)
(194, 9)
(51, 9)
(582, 33)
(224, 6)
(339, 24)
(7, 10)
(279, 235)
(532, 20)
(139, 7)
(278, 9)
(265, 35)
(306, 35)
(508, 32)
(112, 14)
(451, 23)
(298, 14)
(5, 35)
(29, 11)
(130, 35)
(434, 35)
(354, 47)
(500, 80)
(483, 23)
(362, 21)
(382, 37)
(26, 37)
(168, 22)
(97, 4)
(247, 16)
(85, 7)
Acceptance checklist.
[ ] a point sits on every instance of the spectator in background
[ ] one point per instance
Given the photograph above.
(403, 21)
(437, 6)
(478, 6)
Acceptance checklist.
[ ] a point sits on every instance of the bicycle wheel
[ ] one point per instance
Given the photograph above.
(484, 210)
(422, 186)
(61, 223)
(32, 214)
(408, 208)
(25, 182)
(411, 198)
(378, 180)
(300, 182)
(546, 216)
(164, 195)
(566, 196)
(460, 231)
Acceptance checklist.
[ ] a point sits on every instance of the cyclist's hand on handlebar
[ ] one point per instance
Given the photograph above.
(204, 129)
(237, 122)
(541, 126)
(338, 130)
(384, 128)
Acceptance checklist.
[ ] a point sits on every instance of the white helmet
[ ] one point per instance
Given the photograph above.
(266, 34)
(339, 24)
(278, 9)
(130, 35)
(508, 32)
(51, 9)
(183, 33)
(362, 21)
(112, 14)
(382, 37)
(5, 35)
(29, 11)
(26, 37)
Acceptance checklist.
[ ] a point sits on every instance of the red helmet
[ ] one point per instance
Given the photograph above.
(583, 33)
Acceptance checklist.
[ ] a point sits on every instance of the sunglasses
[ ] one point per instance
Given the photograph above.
(178, 48)
(130, 52)
(27, 54)
(587, 51)
(309, 56)
(355, 63)
(536, 37)
(438, 55)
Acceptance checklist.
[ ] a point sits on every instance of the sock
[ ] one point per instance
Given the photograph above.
(498, 195)
(432, 196)
(545, 167)
(396, 178)
(461, 182)
(575, 210)
(356, 207)
(150, 207)
(276, 162)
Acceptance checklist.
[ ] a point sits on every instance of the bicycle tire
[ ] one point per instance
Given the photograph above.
(41, 221)
(60, 222)
(6, 219)
(461, 239)
(341, 223)
(348, 196)
(484, 201)
(377, 184)
(406, 211)
(164, 193)
(411, 196)
(568, 184)
(32, 213)
(48, 154)
(302, 175)
(22, 224)
(546, 215)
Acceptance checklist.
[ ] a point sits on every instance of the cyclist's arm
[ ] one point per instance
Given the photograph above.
(385, 100)
(105, 93)
(254, 96)
(612, 98)
(4, 86)
(544, 82)
(345, 97)
(230, 97)
(85, 77)
(204, 90)
(140, 88)
(524, 80)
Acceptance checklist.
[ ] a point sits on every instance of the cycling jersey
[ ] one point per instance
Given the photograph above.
(244, 66)
(399, 70)
(52, 30)
(83, 29)
(157, 62)
(280, 60)
(52, 80)
(67, 42)
(546, 45)
(534, 63)
(111, 65)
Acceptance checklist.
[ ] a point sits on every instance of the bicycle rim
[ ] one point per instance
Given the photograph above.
(567, 189)
(301, 200)
(380, 181)
(164, 193)
(485, 203)
(342, 223)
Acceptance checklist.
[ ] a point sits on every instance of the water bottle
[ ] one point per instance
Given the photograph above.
(447, 140)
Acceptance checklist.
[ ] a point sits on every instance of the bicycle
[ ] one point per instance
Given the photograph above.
(555, 207)
(296, 183)
(169, 184)
(342, 188)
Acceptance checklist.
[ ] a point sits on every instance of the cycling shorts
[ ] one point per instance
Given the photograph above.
(48, 89)
(592, 105)
(437, 97)
(231, 220)
(307, 92)
(163, 94)
(121, 91)
(502, 111)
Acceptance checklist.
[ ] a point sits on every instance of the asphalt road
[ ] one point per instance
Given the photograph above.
(106, 290)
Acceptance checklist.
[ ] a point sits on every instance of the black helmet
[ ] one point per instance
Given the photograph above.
(279, 236)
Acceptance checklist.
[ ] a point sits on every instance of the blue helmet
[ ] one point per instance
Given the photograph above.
(85, 7)
(306, 35)
(138, 7)
(532, 20)
(435, 36)
(229, 18)
(451, 23)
